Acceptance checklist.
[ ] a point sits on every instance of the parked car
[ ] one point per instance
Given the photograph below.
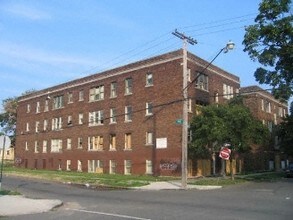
(289, 170)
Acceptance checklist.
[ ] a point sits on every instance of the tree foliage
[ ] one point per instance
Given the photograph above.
(217, 125)
(269, 41)
(285, 133)
(8, 116)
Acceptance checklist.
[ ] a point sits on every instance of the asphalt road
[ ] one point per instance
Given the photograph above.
(246, 201)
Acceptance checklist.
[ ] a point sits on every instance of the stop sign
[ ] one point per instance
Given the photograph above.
(225, 153)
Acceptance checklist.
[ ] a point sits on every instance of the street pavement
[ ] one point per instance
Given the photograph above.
(20, 205)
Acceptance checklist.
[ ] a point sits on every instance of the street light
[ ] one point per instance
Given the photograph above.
(229, 46)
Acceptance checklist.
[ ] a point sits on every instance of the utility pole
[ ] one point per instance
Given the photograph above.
(184, 158)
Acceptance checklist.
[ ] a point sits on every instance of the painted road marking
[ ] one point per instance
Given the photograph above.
(109, 214)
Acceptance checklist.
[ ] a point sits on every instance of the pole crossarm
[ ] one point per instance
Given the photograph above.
(184, 37)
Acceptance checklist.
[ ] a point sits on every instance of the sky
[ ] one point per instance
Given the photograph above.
(45, 43)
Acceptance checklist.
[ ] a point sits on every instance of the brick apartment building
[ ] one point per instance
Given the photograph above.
(270, 111)
(119, 121)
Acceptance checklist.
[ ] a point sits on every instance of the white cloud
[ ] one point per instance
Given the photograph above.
(25, 11)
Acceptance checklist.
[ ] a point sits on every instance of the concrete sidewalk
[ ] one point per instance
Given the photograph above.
(20, 205)
(173, 185)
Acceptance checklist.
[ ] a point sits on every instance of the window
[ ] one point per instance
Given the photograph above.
(127, 167)
(149, 138)
(68, 165)
(275, 119)
(79, 142)
(28, 108)
(79, 165)
(46, 105)
(262, 105)
(26, 146)
(80, 118)
(27, 127)
(149, 108)
(128, 113)
(112, 166)
(113, 92)
(56, 145)
(267, 106)
(216, 98)
(69, 120)
(45, 124)
(95, 143)
(128, 86)
(112, 142)
(202, 82)
(36, 147)
(45, 146)
(97, 93)
(69, 143)
(37, 126)
(148, 167)
(227, 91)
(56, 123)
(113, 115)
(96, 118)
(58, 102)
(149, 79)
(81, 95)
(127, 144)
(38, 108)
(95, 166)
(70, 97)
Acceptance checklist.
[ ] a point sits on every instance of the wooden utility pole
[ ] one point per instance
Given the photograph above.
(184, 160)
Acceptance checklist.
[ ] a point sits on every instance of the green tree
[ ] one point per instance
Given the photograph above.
(217, 125)
(8, 116)
(269, 41)
(285, 133)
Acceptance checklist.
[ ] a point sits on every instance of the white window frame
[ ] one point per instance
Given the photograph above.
(113, 142)
(128, 113)
(113, 118)
(46, 108)
(79, 165)
(148, 167)
(127, 167)
(96, 143)
(38, 107)
(97, 93)
(149, 138)
(149, 108)
(95, 166)
(56, 145)
(58, 102)
(68, 165)
(69, 143)
(27, 127)
(28, 108)
(81, 95)
(128, 86)
(56, 124)
(79, 142)
(149, 79)
(80, 118)
(45, 146)
(36, 150)
(96, 118)
(127, 141)
(37, 126)
(112, 166)
(69, 97)
(113, 90)
(202, 82)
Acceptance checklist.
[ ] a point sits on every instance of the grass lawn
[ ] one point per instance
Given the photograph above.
(125, 181)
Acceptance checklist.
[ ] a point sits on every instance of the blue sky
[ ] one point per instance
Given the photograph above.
(44, 43)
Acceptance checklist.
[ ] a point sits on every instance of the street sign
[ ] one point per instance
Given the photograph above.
(225, 153)
(179, 121)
